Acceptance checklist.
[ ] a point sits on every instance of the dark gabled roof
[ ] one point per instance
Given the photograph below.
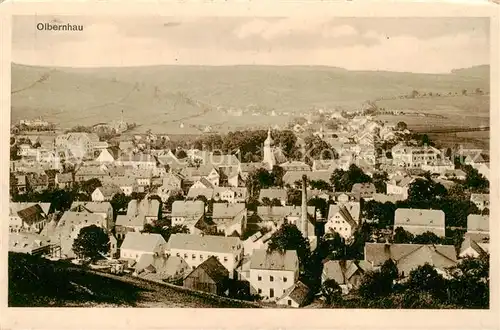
(31, 214)
(214, 269)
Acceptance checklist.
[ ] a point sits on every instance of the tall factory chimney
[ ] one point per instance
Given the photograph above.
(303, 219)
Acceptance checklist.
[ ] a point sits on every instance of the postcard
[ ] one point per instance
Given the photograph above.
(176, 165)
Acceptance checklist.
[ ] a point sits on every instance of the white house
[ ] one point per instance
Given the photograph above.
(272, 273)
(137, 244)
(105, 193)
(295, 296)
(419, 221)
(187, 212)
(399, 185)
(195, 249)
(340, 221)
(477, 238)
(230, 194)
(104, 209)
(106, 156)
(230, 218)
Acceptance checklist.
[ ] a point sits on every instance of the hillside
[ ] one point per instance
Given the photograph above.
(37, 282)
(162, 97)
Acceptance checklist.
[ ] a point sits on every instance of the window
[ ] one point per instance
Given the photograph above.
(193, 256)
(289, 302)
(178, 254)
(271, 278)
(259, 278)
(185, 255)
(225, 259)
(201, 256)
(271, 293)
(260, 291)
(284, 279)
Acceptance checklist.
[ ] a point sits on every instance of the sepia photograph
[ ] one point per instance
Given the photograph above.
(288, 162)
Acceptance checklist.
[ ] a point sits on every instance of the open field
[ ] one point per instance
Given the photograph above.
(161, 98)
(36, 282)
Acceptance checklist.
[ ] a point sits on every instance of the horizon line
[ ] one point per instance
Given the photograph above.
(243, 65)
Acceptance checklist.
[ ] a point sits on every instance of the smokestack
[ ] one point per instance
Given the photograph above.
(303, 219)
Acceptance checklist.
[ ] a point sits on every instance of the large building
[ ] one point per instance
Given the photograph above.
(195, 249)
(419, 221)
(271, 274)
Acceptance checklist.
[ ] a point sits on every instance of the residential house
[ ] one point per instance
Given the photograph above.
(347, 273)
(78, 144)
(295, 166)
(482, 201)
(87, 172)
(408, 257)
(148, 208)
(113, 246)
(104, 209)
(209, 276)
(137, 244)
(440, 166)
(230, 194)
(230, 177)
(142, 161)
(400, 185)
(202, 183)
(126, 147)
(419, 221)
(187, 213)
(63, 180)
(172, 180)
(37, 182)
(29, 243)
(414, 157)
(341, 221)
(161, 268)
(272, 273)
(476, 239)
(105, 193)
(295, 296)
(193, 193)
(364, 190)
(456, 174)
(68, 228)
(230, 218)
(193, 174)
(26, 217)
(195, 249)
(127, 184)
(384, 198)
(20, 183)
(108, 155)
(324, 165)
(274, 193)
(273, 217)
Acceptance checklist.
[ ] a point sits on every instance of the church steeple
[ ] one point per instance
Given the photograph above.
(269, 158)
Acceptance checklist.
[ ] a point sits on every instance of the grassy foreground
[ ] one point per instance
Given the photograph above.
(37, 282)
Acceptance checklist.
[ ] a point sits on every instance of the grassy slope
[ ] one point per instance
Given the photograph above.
(36, 282)
(161, 97)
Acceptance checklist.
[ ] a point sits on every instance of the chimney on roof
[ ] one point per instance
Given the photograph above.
(303, 219)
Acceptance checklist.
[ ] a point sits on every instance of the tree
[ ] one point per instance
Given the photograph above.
(401, 126)
(91, 242)
(475, 180)
(277, 175)
(181, 154)
(344, 180)
(425, 190)
(426, 278)
(380, 213)
(289, 237)
(464, 92)
(379, 181)
(375, 285)
(332, 247)
(90, 185)
(402, 236)
(479, 91)
(469, 285)
(319, 204)
(61, 199)
(316, 148)
(165, 231)
(427, 238)
(171, 199)
(14, 149)
(294, 197)
(320, 185)
(119, 202)
(331, 291)
(389, 269)
(414, 94)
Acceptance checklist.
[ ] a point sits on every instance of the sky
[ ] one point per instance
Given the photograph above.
(423, 45)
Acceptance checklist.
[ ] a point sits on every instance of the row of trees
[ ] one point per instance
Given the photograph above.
(465, 286)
